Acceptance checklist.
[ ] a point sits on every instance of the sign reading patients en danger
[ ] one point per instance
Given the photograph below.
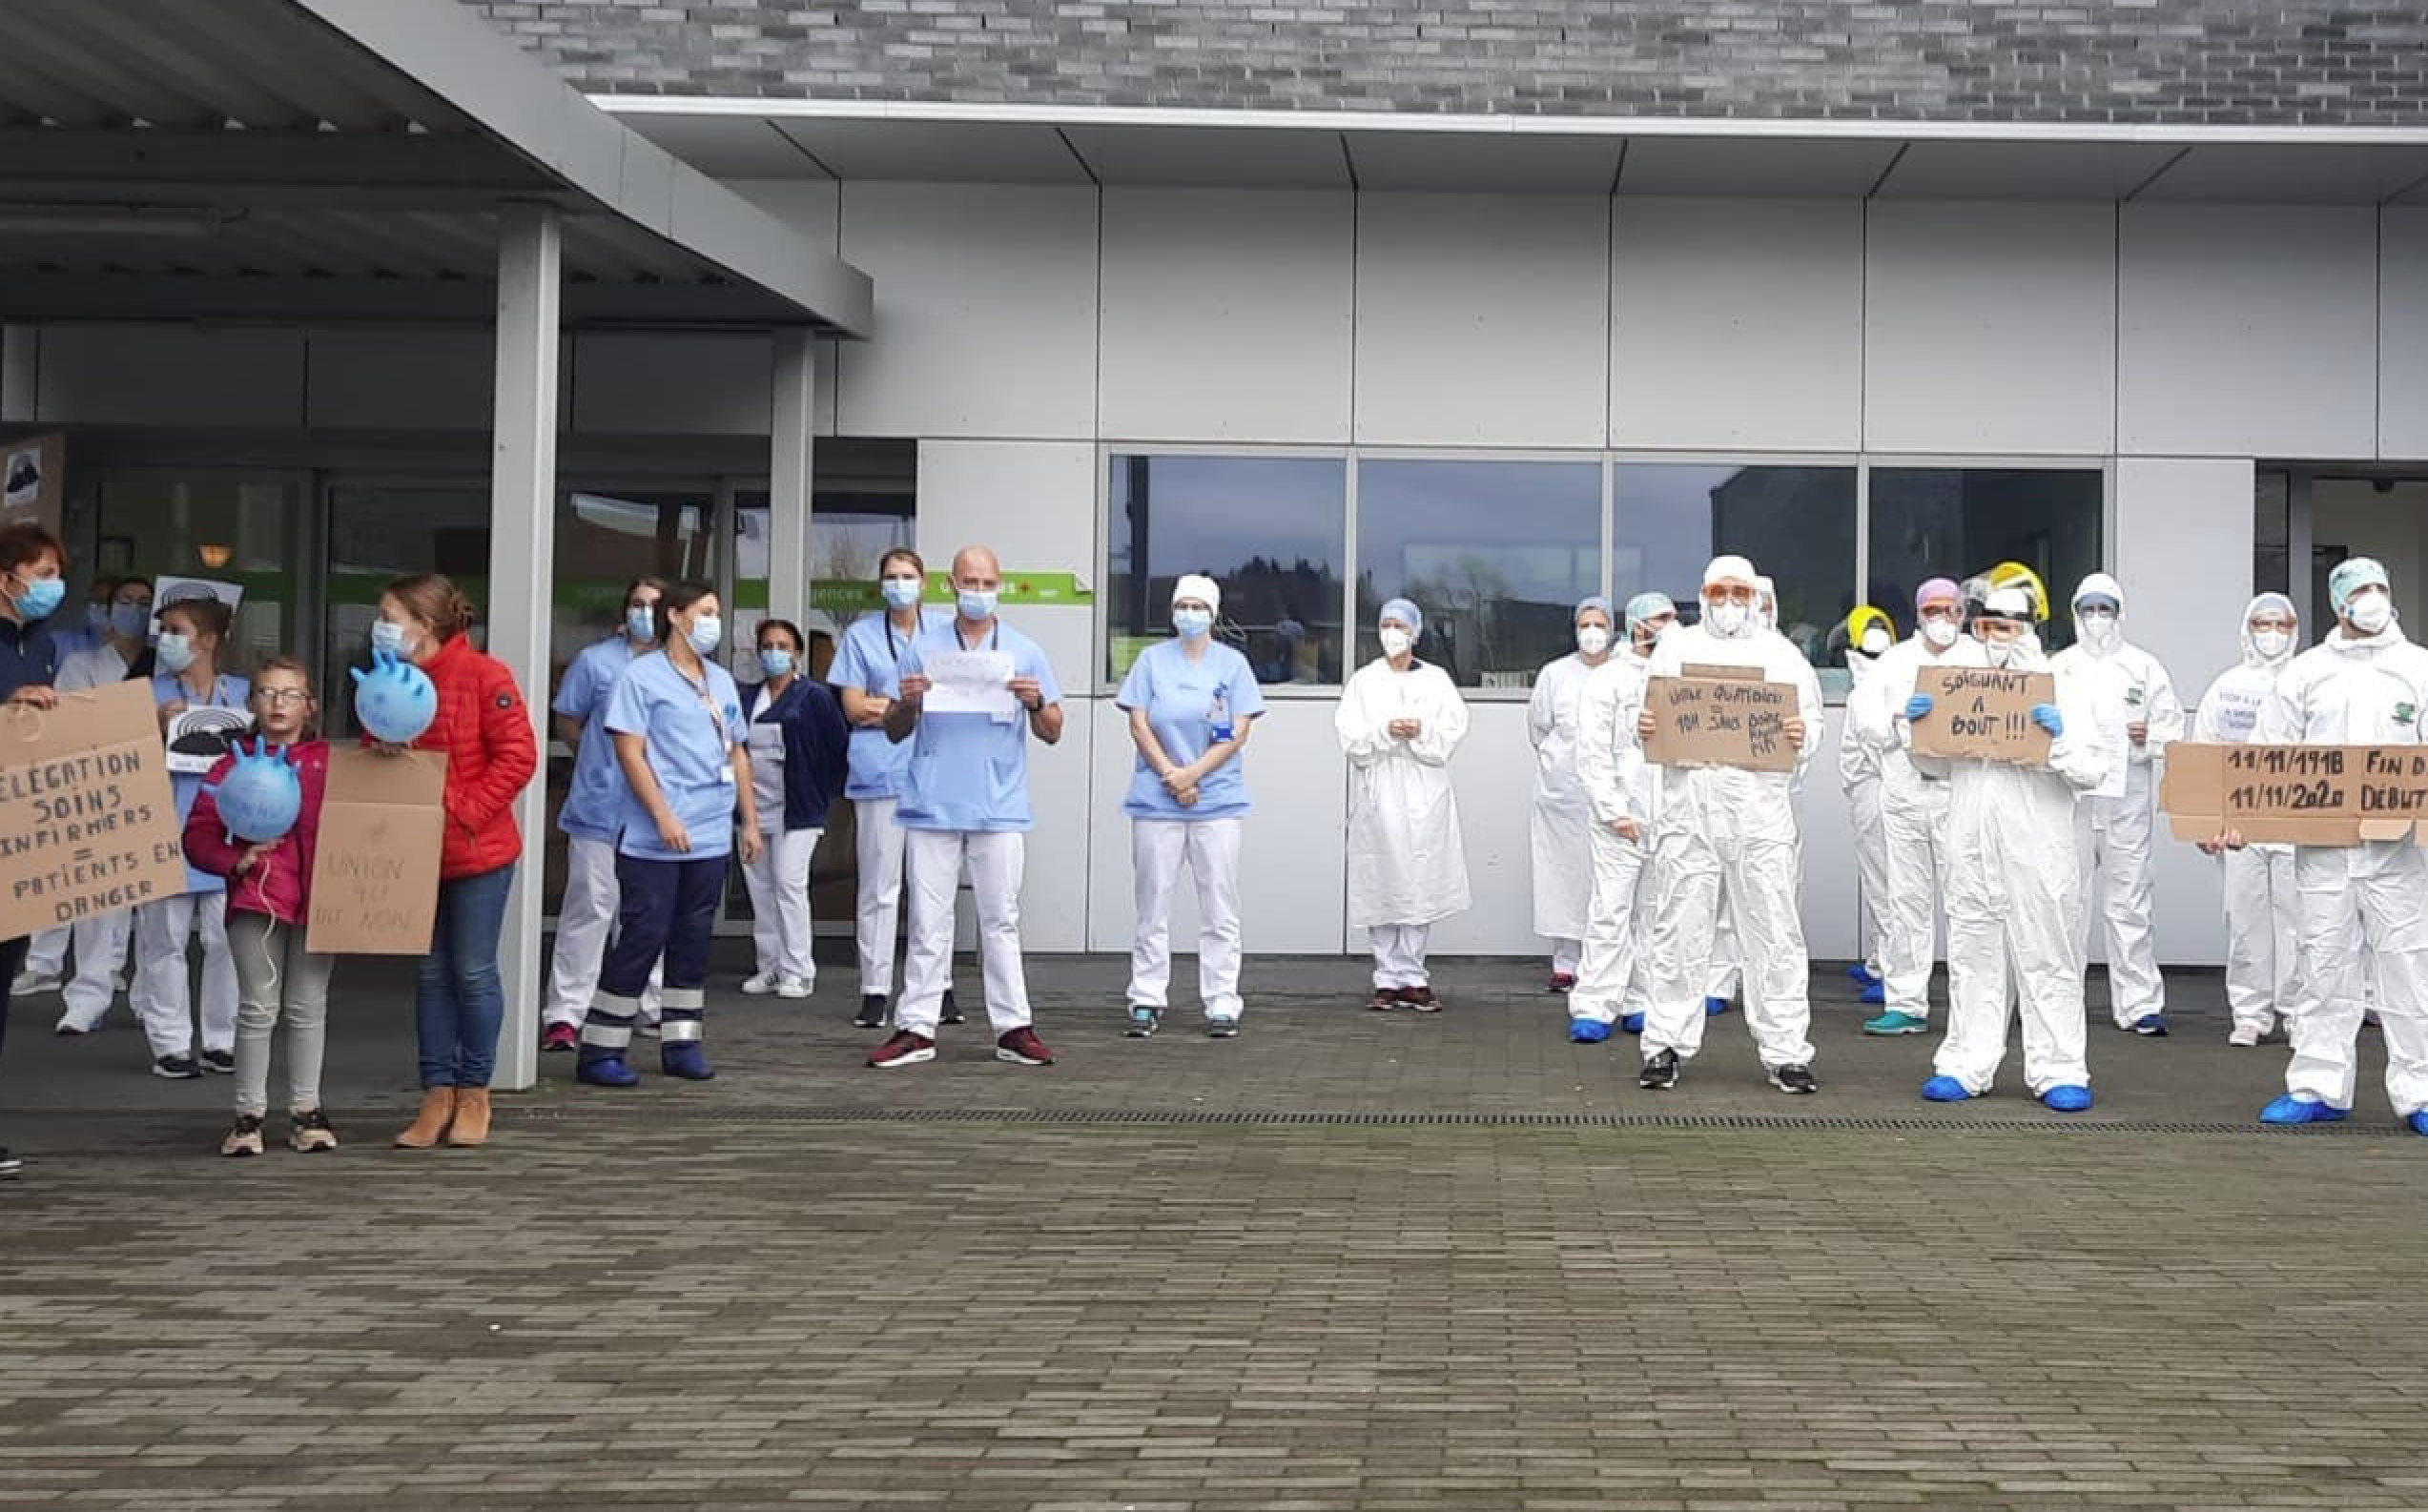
(1710, 718)
(1984, 714)
(87, 821)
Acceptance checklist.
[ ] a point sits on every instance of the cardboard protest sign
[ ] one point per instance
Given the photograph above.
(1720, 716)
(88, 825)
(1984, 714)
(2303, 795)
(375, 878)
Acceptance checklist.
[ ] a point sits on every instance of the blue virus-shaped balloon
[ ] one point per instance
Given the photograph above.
(394, 700)
(260, 796)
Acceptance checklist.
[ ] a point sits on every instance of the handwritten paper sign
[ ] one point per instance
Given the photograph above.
(1720, 717)
(1984, 714)
(2309, 795)
(86, 823)
(375, 879)
(970, 683)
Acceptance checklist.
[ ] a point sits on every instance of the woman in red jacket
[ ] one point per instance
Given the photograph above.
(492, 752)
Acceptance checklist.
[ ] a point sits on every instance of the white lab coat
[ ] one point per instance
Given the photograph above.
(2113, 835)
(2263, 908)
(1614, 975)
(1913, 819)
(1407, 862)
(1562, 872)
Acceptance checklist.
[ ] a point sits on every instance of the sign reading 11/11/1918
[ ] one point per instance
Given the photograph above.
(88, 824)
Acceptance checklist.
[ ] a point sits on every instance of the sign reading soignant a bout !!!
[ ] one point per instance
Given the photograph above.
(88, 824)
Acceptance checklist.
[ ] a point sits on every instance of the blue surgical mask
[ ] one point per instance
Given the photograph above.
(641, 623)
(705, 633)
(775, 660)
(175, 653)
(41, 599)
(389, 638)
(97, 616)
(1193, 623)
(130, 620)
(978, 603)
(902, 593)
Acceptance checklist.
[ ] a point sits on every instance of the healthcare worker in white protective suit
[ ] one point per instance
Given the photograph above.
(1870, 635)
(1728, 835)
(2366, 685)
(2013, 883)
(2133, 701)
(1563, 873)
(2263, 912)
(1913, 809)
(1398, 722)
(1613, 984)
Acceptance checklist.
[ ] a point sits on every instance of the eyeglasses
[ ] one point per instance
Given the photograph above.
(280, 697)
(1729, 593)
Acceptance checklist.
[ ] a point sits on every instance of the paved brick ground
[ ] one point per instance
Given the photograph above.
(1048, 1289)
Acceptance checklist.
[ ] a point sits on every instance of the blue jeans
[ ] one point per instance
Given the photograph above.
(459, 1000)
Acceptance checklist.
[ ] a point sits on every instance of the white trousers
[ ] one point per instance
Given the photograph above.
(1756, 878)
(163, 991)
(2024, 948)
(1567, 956)
(2263, 923)
(2375, 894)
(2112, 836)
(779, 883)
(1611, 976)
(1864, 806)
(47, 955)
(1399, 954)
(585, 927)
(1210, 848)
(876, 845)
(1916, 830)
(1726, 972)
(935, 862)
(102, 944)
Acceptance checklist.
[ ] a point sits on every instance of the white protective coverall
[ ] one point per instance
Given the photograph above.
(1615, 976)
(1859, 777)
(1407, 862)
(1913, 822)
(2013, 891)
(2122, 685)
(1563, 871)
(2358, 691)
(2263, 908)
(1726, 833)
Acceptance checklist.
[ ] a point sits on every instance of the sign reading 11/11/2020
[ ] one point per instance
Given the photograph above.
(88, 825)
(2339, 781)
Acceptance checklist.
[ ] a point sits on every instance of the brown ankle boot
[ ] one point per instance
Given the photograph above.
(471, 1116)
(438, 1106)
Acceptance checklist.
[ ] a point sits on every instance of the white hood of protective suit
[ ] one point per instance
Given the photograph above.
(2252, 657)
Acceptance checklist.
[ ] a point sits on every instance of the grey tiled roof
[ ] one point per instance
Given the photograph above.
(2150, 61)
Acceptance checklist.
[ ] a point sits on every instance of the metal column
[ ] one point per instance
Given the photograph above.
(790, 475)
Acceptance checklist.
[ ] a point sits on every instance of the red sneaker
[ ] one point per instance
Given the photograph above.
(1022, 1047)
(561, 1037)
(1421, 999)
(1383, 1000)
(1563, 982)
(904, 1049)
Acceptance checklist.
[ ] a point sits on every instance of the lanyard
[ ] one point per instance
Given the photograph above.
(701, 689)
(994, 643)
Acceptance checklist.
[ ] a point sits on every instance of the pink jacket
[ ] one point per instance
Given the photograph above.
(281, 886)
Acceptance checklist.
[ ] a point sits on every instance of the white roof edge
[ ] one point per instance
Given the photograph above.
(1801, 129)
(453, 54)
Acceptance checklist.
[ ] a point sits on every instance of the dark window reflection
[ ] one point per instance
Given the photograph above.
(1496, 554)
(1267, 529)
(1796, 523)
(1951, 523)
(2272, 533)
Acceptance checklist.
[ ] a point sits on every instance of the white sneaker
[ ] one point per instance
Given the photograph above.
(759, 985)
(26, 983)
(2246, 1035)
(793, 987)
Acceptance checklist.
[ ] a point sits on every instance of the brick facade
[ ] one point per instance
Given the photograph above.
(2145, 61)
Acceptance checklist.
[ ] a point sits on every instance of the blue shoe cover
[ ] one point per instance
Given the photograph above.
(602, 1067)
(1945, 1089)
(2290, 1108)
(1863, 975)
(686, 1058)
(2154, 1025)
(2068, 1099)
(2419, 1122)
(1632, 1023)
(1876, 994)
(1587, 1031)
(1715, 1006)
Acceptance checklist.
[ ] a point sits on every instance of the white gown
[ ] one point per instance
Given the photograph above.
(1562, 867)
(1407, 862)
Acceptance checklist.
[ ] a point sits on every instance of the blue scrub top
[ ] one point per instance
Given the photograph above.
(228, 692)
(594, 806)
(870, 659)
(970, 771)
(692, 729)
(1177, 696)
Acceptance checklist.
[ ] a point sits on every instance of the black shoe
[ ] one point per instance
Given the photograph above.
(9, 1165)
(1661, 1072)
(175, 1068)
(951, 1012)
(222, 1061)
(872, 1012)
(1793, 1080)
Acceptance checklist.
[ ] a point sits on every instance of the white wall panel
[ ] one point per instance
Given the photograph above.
(163, 375)
(2183, 552)
(1737, 323)
(1293, 865)
(1226, 315)
(1989, 327)
(1830, 889)
(1494, 775)
(1482, 319)
(673, 383)
(1054, 890)
(2403, 335)
(985, 311)
(1035, 503)
(427, 380)
(2248, 329)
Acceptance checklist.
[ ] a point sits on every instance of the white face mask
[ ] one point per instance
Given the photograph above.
(1940, 633)
(1728, 621)
(2000, 652)
(2271, 643)
(1874, 641)
(2370, 613)
(1396, 641)
(2097, 632)
(1593, 639)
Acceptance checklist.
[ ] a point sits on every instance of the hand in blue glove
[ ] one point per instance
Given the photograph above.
(2046, 717)
(1918, 707)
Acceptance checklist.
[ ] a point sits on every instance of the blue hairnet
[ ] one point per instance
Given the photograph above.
(1591, 600)
(2350, 576)
(1406, 613)
(1644, 606)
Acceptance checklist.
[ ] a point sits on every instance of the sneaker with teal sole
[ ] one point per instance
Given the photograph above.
(1894, 1022)
(1144, 1020)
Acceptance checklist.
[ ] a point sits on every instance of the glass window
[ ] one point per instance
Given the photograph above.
(1795, 524)
(1268, 529)
(865, 503)
(1496, 555)
(2271, 531)
(224, 529)
(1952, 522)
(379, 532)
